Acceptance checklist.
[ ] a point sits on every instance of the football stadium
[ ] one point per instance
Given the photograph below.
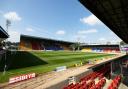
(39, 62)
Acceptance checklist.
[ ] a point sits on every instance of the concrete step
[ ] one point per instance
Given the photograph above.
(122, 86)
(108, 82)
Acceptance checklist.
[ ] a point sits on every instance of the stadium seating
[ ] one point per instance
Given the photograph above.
(101, 49)
(36, 46)
(87, 50)
(33, 45)
(24, 45)
(97, 49)
(99, 85)
(88, 81)
(52, 46)
(115, 82)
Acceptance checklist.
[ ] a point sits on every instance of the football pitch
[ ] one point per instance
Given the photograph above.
(39, 62)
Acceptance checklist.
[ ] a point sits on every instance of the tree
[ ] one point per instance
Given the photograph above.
(78, 46)
(75, 46)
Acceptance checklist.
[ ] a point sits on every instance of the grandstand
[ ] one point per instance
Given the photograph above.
(38, 43)
(108, 75)
(3, 35)
(124, 48)
(101, 48)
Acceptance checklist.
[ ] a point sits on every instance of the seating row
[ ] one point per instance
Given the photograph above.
(115, 82)
(100, 74)
(99, 85)
(88, 81)
(81, 85)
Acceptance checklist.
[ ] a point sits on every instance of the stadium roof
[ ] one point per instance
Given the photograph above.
(113, 13)
(3, 33)
(46, 39)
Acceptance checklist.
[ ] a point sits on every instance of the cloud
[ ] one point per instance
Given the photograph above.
(102, 39)
(14, 36)
(91, 20)
(13, 16)
(113, 39)
(87, 31)
(80, 38)
(112, 33)
(29, 30)
(1, 12)
(60, 32)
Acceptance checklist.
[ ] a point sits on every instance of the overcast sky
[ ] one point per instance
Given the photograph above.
(57, 19)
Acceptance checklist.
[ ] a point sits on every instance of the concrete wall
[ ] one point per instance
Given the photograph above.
(65, 82)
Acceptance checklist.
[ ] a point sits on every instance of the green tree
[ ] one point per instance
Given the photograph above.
(75, 46)
(78, 46)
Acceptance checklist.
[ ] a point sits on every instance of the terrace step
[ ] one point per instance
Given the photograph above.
(122, 86)
(108, 82)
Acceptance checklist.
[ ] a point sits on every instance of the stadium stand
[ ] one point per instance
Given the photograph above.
(115, 83)
(101, 48)
(36, 46)
(103, 77)
(38, 43)
(3, 35)
(88, 81)
(52, 46)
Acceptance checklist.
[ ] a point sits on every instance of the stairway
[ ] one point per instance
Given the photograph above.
(108, 82)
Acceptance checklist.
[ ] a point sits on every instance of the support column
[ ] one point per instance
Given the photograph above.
(121, 68)
(111, 69)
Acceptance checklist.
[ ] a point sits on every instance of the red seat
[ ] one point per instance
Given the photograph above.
(115, 83)
(83, 84)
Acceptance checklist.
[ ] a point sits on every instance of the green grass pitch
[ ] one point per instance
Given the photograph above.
(42, 62)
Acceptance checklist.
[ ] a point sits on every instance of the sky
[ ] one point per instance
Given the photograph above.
(66, 20)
